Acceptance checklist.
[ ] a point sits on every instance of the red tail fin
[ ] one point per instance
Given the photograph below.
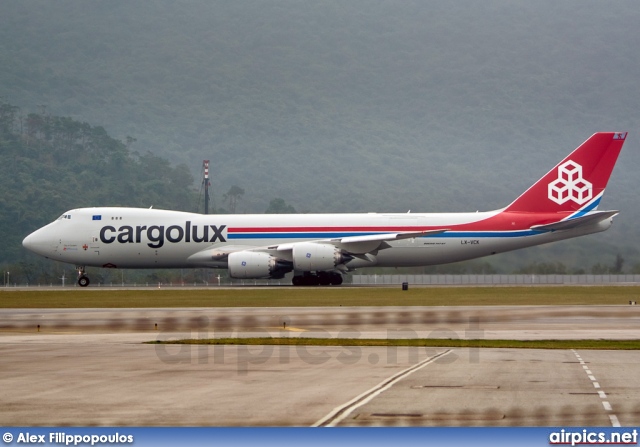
(578, 181)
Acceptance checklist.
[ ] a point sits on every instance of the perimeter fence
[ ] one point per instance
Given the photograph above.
(493, 279)
(372, 280)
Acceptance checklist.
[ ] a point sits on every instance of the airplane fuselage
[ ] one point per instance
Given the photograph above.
(149, 238)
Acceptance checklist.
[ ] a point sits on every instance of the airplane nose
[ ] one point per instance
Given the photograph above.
(31, 242)
(38, 242)
(27, 242)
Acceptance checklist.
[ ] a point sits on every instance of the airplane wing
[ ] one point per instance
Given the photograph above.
(363, 244)
(587, 219)
(386, 236)
(352, 245)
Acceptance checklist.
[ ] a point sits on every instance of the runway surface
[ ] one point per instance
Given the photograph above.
(90, 367)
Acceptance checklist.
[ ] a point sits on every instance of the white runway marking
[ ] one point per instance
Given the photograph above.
(614, 420)
(607, 406)
(338, 414)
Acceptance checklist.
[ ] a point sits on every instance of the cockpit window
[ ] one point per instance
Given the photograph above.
(64, 216)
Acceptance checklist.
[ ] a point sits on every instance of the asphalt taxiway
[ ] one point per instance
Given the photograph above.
(92, 367)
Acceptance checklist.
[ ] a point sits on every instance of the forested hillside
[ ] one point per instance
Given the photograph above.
(340, 106)
(52, 164)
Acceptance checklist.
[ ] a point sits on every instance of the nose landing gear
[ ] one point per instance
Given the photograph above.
(83, 279)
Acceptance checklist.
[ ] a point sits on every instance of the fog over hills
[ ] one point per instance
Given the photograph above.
(347, 106)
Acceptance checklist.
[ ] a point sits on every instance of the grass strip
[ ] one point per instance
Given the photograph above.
(316, 297)
(420, 342)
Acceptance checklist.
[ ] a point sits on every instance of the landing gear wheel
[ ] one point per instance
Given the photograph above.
(336, 279)
(308, 279)
(321, 279)
(324, 279)
(83, 281)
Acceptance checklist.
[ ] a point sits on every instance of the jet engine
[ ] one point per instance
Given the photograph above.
(311, 256)
(251, 264)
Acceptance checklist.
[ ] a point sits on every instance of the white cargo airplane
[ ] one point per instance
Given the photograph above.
(320, 248)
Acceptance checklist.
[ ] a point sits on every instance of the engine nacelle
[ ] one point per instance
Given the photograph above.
(255, 265)
(311, 257)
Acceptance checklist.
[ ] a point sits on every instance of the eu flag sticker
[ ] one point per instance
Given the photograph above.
(97, 217)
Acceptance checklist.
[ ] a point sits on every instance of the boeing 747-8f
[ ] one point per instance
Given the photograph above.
(320, 248)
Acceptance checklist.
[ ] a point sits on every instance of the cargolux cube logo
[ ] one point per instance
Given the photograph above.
(570, 185)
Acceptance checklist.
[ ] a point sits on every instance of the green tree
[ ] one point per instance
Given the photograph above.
(232, 197)
(543, 268)
(617, 266)
(279, 206)
(600, 269)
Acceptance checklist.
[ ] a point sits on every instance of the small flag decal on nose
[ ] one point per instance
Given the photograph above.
(97, 217)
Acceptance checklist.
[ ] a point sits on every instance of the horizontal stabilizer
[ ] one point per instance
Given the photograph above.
(588, 219)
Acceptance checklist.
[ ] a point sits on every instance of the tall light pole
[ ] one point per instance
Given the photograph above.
(205, 181)
(8, 278)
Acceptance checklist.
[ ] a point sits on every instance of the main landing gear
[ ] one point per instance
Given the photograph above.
(321, 279)
(83, 279)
